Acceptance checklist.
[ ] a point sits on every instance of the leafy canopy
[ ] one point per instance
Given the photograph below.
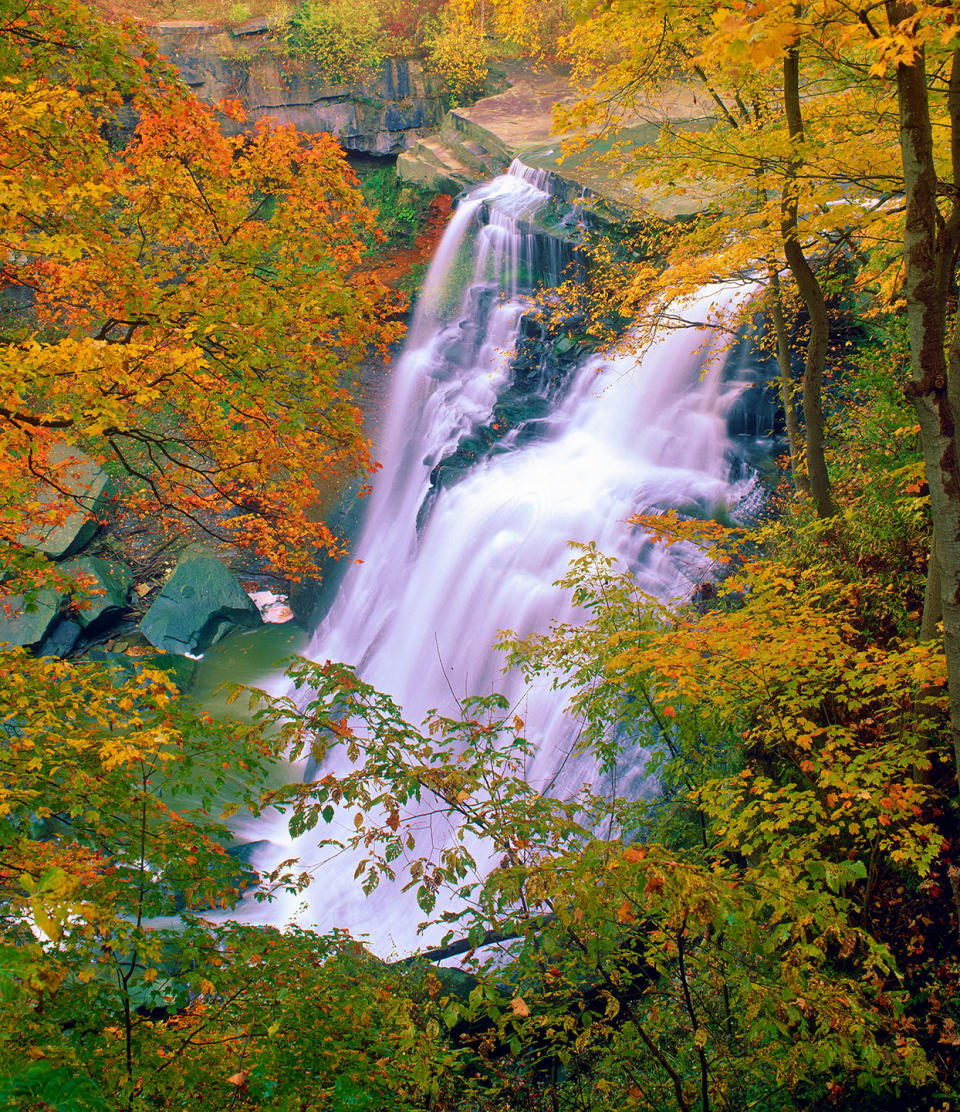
(197, 309)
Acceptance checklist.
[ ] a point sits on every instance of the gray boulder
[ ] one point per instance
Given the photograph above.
(61, 638)
(24, 626)
(107, 593)
(84, 490)
(200, 603)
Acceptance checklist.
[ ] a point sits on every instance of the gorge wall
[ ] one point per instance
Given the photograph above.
(382, 116)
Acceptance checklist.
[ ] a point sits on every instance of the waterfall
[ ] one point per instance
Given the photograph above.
(440, 571)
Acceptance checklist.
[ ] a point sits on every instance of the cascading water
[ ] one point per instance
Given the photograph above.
(442, 569)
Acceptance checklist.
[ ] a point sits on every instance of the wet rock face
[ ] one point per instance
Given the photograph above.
(546, 355)
(383, 116)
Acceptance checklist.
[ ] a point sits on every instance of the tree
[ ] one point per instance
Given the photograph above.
(918, 45)
(810, 147)
(111, 793)
(762, 180)
(343, 40)
(930, 244)
(198, 308)
(458, 51)
(195, 319)
(715, 947)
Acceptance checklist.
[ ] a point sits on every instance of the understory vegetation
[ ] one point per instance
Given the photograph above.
(348, 40)
(748, 899)
(772, 928)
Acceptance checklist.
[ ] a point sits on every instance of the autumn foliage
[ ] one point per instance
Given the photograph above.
(198, 307)
(773, 928)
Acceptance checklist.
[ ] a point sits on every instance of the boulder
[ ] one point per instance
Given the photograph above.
(60, 638)
(84, 490)
(200, 603)
(25, 626)
(108, 591)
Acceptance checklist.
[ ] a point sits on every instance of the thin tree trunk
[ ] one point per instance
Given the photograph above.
(932, 602)
(788, 397)
(928, 265)
(811, 293)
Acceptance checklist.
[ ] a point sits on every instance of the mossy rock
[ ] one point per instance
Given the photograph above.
(200, 603)
(107, 593)
(24, 624)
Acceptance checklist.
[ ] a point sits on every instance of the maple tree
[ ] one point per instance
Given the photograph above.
(198, 304)
(195, 316)
(119, 990)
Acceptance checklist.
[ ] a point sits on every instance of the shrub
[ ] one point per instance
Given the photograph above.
(458, 54)
(407, 28)
(341, 36)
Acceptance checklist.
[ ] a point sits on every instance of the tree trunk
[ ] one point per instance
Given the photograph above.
(811, 293)
(798, 466)
(932, 602)
(928, 267)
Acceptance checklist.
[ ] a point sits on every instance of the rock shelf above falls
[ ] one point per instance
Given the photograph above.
(476, 143)
(382, 116)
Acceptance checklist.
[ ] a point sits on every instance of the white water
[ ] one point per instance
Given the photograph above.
(419, 614)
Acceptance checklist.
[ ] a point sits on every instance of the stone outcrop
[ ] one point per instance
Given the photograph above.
(105, 592)
(476, 143)
(200, 603)
(383, 116)
(25, 627)
(78, 501)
